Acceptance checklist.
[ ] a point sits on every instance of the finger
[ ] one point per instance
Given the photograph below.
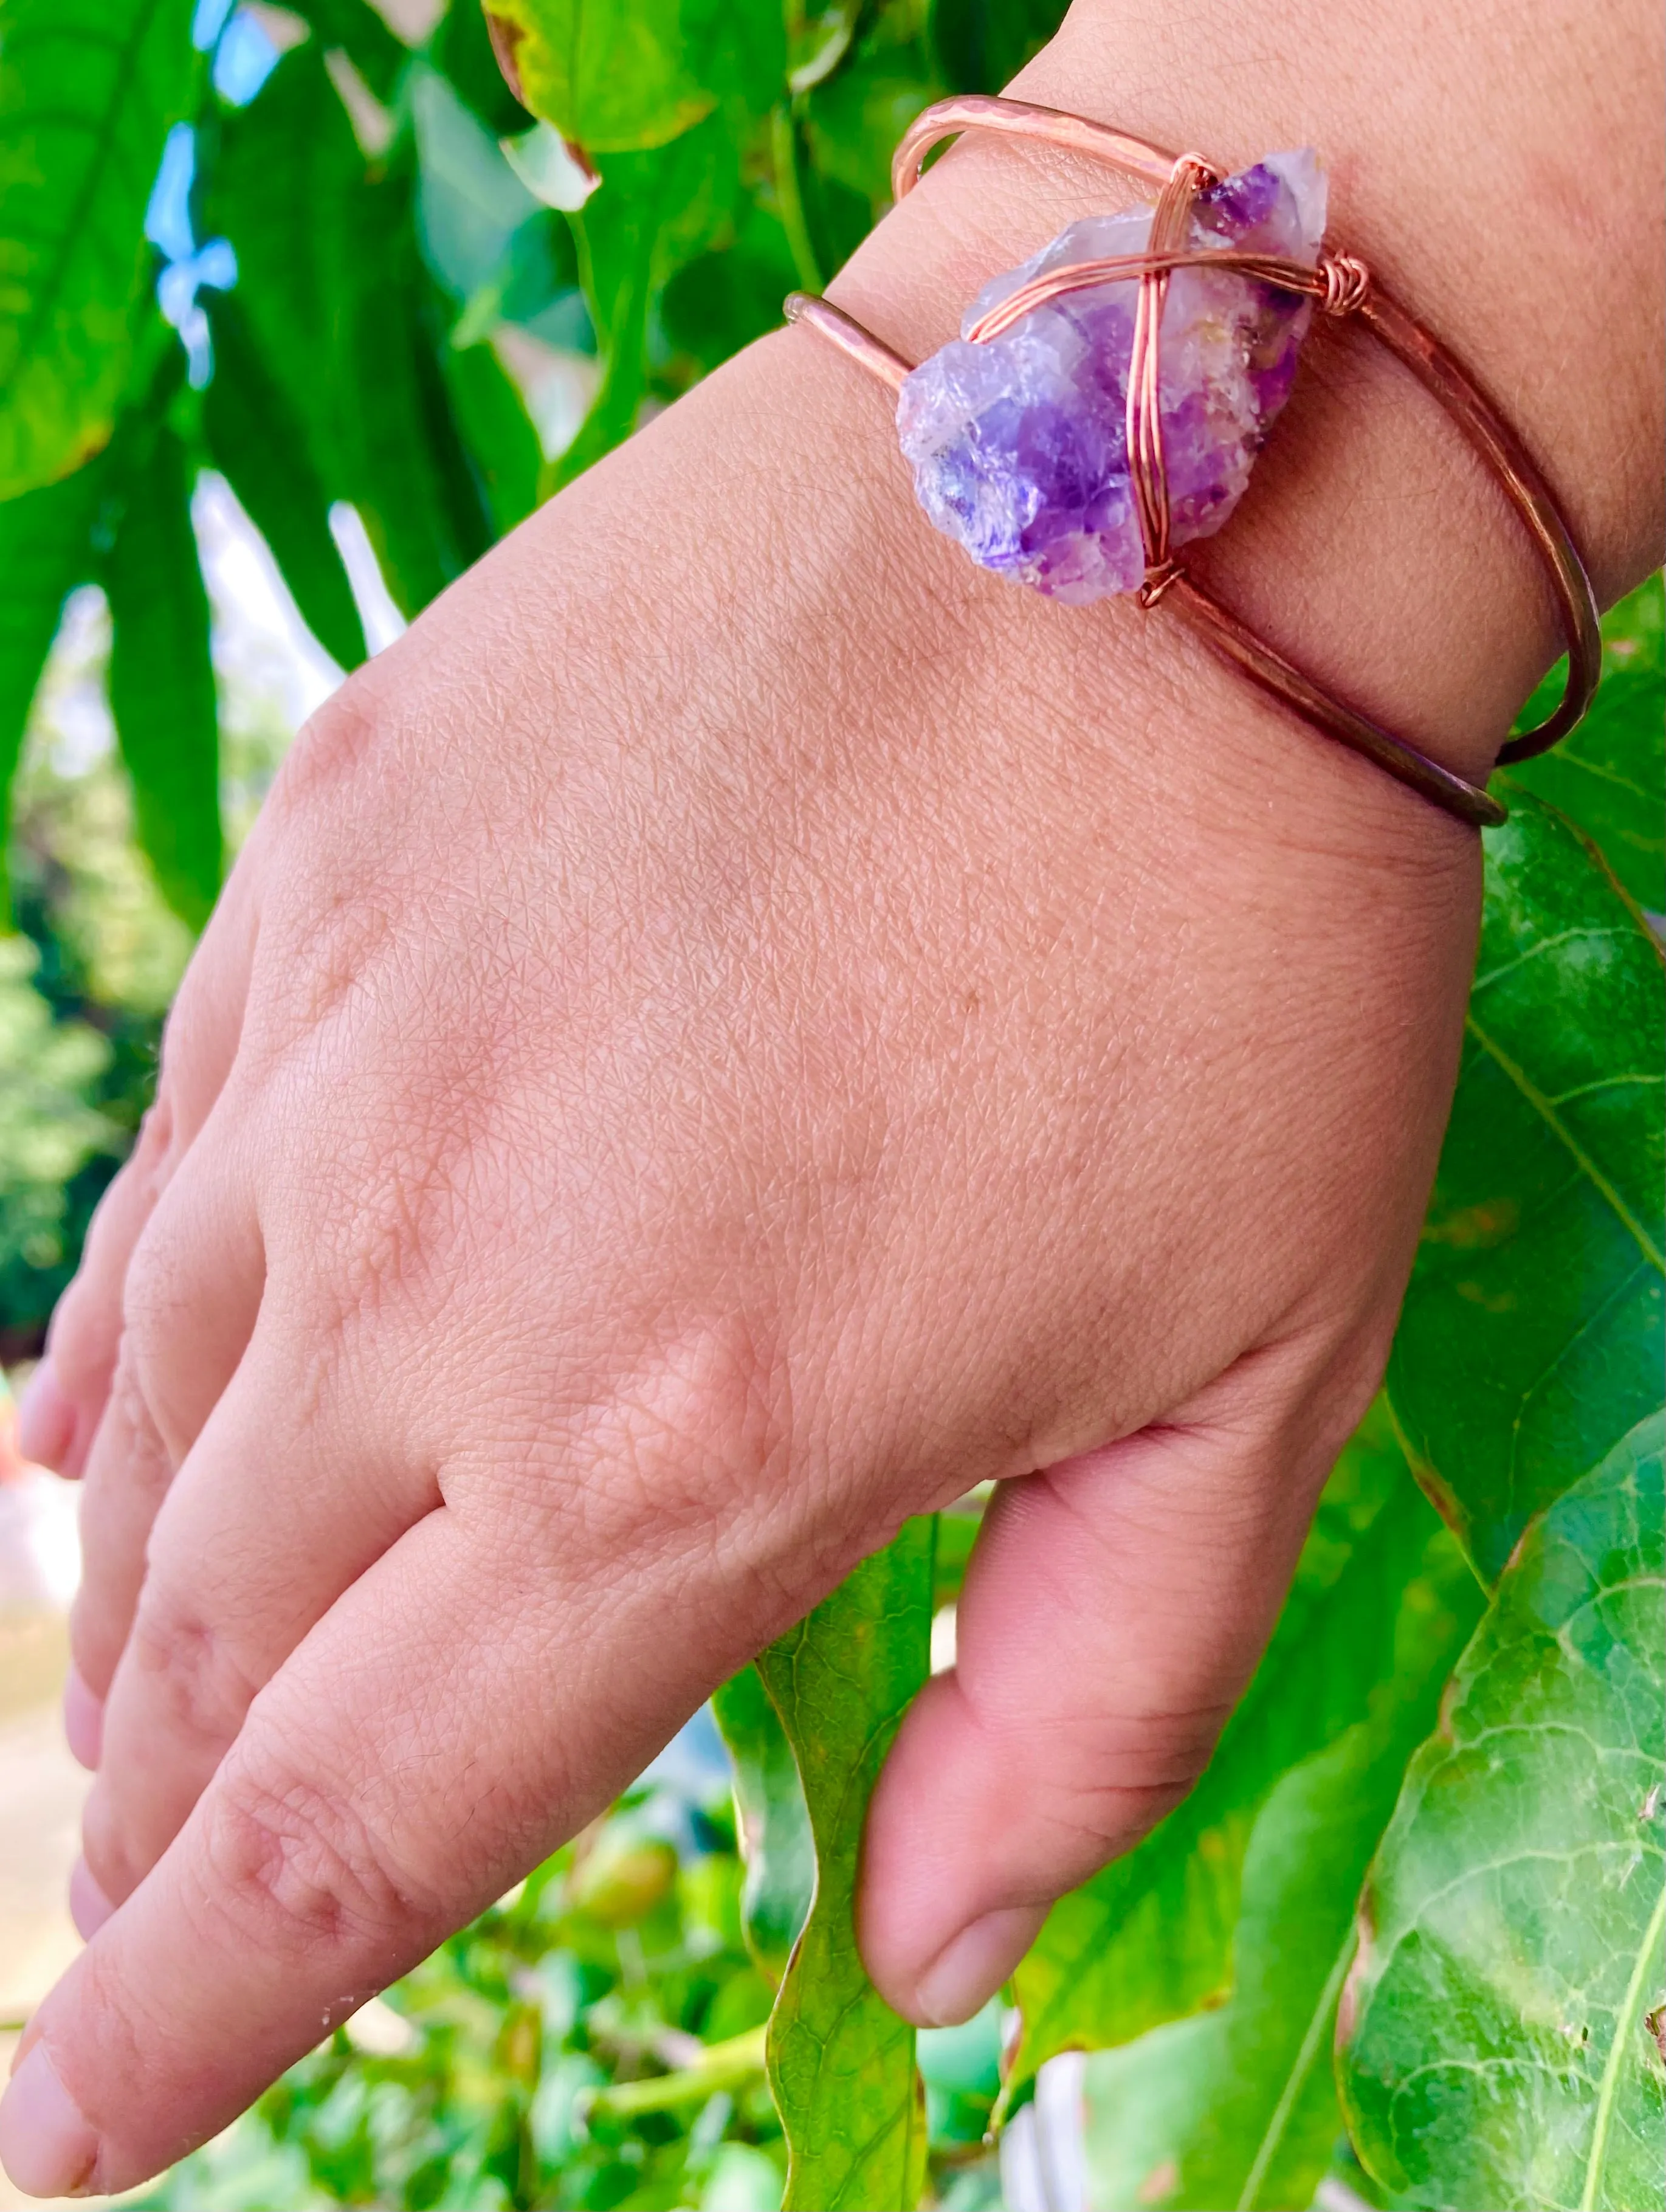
(389, 1782)
(127, 1472)
(269, 1519)
(63, 1404)
(192, 1294)
(1115, 1606)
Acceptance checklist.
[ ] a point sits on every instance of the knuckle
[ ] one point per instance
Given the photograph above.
(109, 1847)
(187, 1667)
(190, 1061)
(129, 1448)
(329, 749)
(153, 1146)
(84, 1327)
(696, 1444)
(83, 1346)
(156, 1291)
(297, 1866)
(98, 1635)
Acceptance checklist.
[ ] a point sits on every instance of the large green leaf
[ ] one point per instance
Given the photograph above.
(841, 2064)
(1609, 776)
(1237, 2106)
(653, 212)
(338, 303)
(1150, 1938)
(286, 185)
(497, 432)
(1495, 2047)
(45, 550)
(1531, 1338)
(428, 507)
(773, 1821)
(257, 442)
(625, 75)
(89, 90)
(161, 677)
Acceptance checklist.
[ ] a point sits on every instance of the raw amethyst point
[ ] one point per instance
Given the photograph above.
(1019, 448)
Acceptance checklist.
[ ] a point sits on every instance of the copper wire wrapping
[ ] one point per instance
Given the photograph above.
(1343, 288)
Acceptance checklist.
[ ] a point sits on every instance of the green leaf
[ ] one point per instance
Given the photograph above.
(497, 432)
(45, 550)
(428, 511)
(336, 298)
(1237, 2106)
(1495, 2049)
(88, 90)
(653, 212)
(818, 35)
(841, 2063)
(161, 677)
(1529, 1342)
(721, 301)
(1150, 1938)
(773, 1821)
(855, 119)
(626, 75)
(259, 446)
(286, 185)
(461, 49)
(981, 45)
(957, 1534)
(1610, 775)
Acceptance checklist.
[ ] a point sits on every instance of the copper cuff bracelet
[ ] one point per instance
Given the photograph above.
(1343, 288)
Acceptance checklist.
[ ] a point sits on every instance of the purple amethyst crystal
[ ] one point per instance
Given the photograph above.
(1020, 447)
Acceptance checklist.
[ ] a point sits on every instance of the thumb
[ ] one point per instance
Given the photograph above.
(1115, 1607)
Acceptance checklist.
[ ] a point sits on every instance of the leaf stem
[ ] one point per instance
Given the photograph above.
(1546, 1111)
(1297, 2078)
(789, 191)
(729, 2065)
(1610, 2084)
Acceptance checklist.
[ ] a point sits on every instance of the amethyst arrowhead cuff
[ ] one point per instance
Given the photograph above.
(1104, 405)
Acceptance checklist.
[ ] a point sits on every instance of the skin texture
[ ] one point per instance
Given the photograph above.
(738, 1027)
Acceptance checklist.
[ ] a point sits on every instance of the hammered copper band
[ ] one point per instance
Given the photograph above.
(1344, 287)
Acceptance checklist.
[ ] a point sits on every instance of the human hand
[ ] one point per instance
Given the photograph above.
(665, 1095)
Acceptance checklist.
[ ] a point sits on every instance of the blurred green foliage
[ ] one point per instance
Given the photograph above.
(98, 957)
(49, 1072)
(595, 2041)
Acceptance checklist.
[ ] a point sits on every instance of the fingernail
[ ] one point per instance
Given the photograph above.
(45, 1419)
(83, 1720)
(46, 2145)
(967, 1972)
(89, 1908)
